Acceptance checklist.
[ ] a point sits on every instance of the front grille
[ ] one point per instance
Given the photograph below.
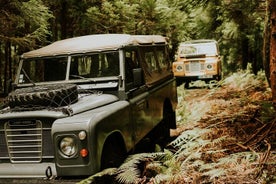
(3, 146)
(202, 66)
(26, 141)
(194, 66)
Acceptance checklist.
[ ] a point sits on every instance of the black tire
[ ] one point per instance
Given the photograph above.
(187, 85)
(178, 82)
(169, 118)
(168, 122)
(113, 154)
(48, 95)
(219, 78)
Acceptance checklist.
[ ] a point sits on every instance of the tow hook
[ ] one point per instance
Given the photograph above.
(48, 173)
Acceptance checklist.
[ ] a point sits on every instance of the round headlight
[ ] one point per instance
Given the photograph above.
(68, 146)
(209, 67)
(179, 68)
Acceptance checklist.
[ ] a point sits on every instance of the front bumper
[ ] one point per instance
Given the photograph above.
(35, 170)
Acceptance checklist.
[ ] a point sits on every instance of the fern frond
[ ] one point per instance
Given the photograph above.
(161, 178)
(131, 170)
(214, 173)
(128, 176)
(193, 156)
(207, 166)
(237, 157)
(192, 149)
(219, 140)
(210, 151)
(197, 163)
(188, 135)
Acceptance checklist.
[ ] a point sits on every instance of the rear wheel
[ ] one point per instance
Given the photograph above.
(167, 123)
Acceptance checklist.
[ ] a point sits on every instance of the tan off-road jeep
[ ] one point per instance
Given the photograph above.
(197, 60)
(82, 104)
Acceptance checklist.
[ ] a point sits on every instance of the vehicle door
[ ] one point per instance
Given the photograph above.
(137, 95)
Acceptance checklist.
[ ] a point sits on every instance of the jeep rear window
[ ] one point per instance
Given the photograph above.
(43, 70)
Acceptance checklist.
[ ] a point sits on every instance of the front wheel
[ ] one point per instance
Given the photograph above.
(113, 155)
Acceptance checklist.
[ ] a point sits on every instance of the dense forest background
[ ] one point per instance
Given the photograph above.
(238, 26)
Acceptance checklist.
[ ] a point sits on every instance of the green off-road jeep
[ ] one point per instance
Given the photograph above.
(82, 104)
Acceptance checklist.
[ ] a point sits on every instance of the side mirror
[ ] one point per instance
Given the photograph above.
(137, 76)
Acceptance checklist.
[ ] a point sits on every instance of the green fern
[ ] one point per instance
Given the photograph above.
(188, 136)
(268, 111)
(161, 178)
(214, 151)
(129, 171)
(229, 165)
(214, 173)
(189, 143)
(237, 157)
(135, 166)
(170, 170)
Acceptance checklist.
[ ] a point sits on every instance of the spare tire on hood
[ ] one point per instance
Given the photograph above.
(45, 95)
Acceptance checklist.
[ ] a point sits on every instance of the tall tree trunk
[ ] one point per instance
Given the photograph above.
(1, 70)
(245, 52)
(64, 19)
(6, 68)
(266, 44)
(272, 5)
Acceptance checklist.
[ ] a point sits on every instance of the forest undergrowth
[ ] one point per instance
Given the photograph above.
(226, 134)
(234, 138)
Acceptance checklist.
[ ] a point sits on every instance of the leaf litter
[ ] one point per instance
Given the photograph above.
(240, 144)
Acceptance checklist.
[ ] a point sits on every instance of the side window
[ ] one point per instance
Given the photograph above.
(155, 63)
(163, 57)
(131, 62)
(151, 60)
(109, 64)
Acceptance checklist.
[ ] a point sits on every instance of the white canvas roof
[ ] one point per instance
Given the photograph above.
(93, 43)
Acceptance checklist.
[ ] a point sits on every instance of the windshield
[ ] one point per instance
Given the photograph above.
(81, 66)
(42, 70)
(209, 49)
(94, 65)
